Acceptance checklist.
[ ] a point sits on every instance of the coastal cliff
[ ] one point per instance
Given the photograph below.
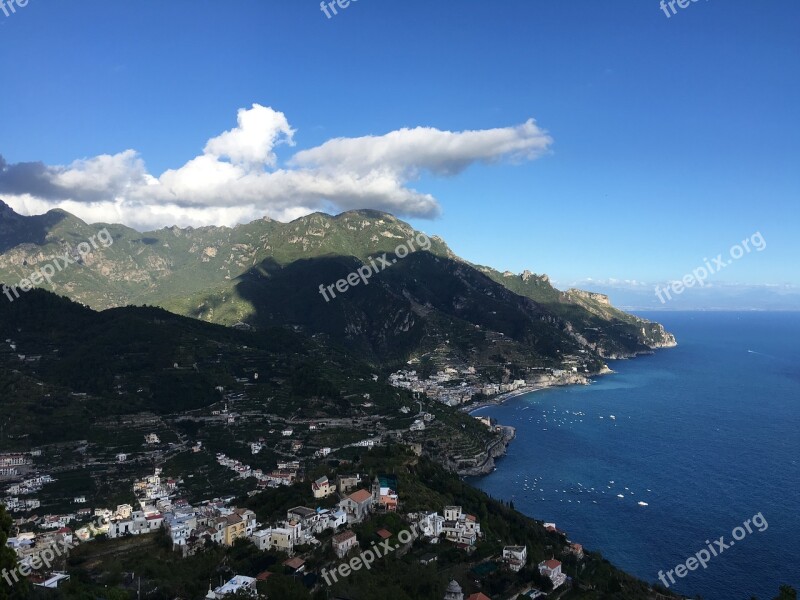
(484, 462)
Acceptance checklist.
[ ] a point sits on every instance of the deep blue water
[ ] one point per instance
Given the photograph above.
(708, 434)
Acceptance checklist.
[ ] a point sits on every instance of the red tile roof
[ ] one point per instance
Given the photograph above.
(384, 534)
(552, 564)
(294, 563)
(478, 596)
(344, 536)
(360, 496)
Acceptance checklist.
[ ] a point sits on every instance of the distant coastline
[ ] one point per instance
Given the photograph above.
(541, 385)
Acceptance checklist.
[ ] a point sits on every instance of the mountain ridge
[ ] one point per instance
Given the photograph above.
(267, 273)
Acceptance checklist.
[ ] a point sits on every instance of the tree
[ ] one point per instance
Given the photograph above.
(285, 588)
(8, 562)
(786, 593)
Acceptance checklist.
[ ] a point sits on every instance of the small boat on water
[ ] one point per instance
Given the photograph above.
(620, 496)
(612, 417)
(642, 503)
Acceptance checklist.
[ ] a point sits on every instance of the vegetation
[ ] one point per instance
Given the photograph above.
(268, 274)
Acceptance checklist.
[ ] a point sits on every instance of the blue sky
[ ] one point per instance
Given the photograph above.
(672, 138)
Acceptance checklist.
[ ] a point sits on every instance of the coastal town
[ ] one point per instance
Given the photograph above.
(313, 538)
(307, 487)
(303, 533)
(461, 386)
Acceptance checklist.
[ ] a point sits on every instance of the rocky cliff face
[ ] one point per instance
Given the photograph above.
(593, 296)
(484, 463)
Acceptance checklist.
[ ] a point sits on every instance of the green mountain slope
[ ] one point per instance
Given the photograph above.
(268, 274)
(612, 333)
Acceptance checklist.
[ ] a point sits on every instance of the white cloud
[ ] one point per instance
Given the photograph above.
(237, 178)
(259, 130)
(408, 151)
(101, 176)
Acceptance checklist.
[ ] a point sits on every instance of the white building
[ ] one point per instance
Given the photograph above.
(515, 557)
(322, 488)
(418, 425)
(430, 524)
(261, 539)
(239, 583)
(552, 569)
(460, 527)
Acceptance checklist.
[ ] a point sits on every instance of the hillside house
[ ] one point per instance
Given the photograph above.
(357, 505)
(347, 483)
(237, 585)
(552, 570)
(344, 542)
(322, 488)
(459, 527)
(515, 557)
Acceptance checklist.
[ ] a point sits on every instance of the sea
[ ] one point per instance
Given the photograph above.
(706, 434)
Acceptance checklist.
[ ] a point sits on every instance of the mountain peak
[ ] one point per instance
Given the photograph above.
(6, 210)
(365, 212)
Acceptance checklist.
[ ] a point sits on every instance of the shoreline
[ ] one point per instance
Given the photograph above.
(501, 398)
(529, 389)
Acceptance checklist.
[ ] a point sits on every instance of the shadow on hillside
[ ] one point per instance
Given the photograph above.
(367, 318)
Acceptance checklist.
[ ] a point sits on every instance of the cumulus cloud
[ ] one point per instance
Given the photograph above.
(259, 130)
(237, 178)
(409, 151)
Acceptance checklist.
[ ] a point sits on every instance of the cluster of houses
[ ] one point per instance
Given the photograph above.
(458, 527)
(14, 503)
(191, 528)
(154, 487)
(11, 465)
(187, 526)
(451, 386)
(286, 473)
(299, 528)
(29, 545)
